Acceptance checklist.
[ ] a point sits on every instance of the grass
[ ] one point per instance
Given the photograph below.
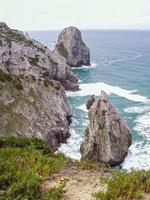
(12, 80)
(89, 165)
(126, 186)
(34, 61)
(24, 165)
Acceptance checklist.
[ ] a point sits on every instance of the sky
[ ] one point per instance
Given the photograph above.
(85, 14)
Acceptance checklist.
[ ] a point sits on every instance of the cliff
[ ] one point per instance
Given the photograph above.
(32, 82)
(34, 107)
(21, 55)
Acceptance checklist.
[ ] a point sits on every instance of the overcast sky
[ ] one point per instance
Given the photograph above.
(85, 14)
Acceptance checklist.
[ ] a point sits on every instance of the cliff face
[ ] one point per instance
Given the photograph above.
(36, 107)
(32, 97)
(71, 46)
(107, 136)
(21, 55)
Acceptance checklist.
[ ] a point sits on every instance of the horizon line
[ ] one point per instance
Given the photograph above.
(92, 29)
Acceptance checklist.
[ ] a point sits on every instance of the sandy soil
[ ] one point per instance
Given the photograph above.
(80, 183)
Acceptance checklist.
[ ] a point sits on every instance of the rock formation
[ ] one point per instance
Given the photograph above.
(21, 55)
(71, 46)
(32, 81)
(107, 137)
(36, 107)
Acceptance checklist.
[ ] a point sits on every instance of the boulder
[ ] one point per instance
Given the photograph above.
(107, 137)
(71, 46)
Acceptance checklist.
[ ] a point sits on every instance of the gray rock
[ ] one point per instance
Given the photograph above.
(90, 102)
(71, 46)
(107, 137)
(36, 107)
(21, 55)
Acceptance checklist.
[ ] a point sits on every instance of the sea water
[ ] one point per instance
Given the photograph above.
(120, 65)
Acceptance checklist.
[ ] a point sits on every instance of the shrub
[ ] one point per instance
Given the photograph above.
(126, 186)
(24, 164)
(4, 77)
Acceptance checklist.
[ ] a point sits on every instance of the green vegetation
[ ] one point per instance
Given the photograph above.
(126, 186)
(24, 165)
(48, 82)
(13, 81)
(89, 164)
(4, 77)
(34, 61)
(62, 50)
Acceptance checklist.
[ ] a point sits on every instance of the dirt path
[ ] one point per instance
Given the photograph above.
(80, 183)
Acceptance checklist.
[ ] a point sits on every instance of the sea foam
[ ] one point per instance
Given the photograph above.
(72, 147)
(143, 125)
(138, 157)
(137, 109)
(93, 65)
(95, 88)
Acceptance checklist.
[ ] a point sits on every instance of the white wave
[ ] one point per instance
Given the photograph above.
(143, 125)
(72, 147)
(95, 88)
(93, 65)
(137, 109)
(109, 62)
(83, 108)
(138, 157)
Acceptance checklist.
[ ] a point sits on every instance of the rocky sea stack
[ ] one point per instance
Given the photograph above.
(71, 46)
(107, 136)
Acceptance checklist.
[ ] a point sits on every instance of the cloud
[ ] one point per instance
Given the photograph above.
(56, 14)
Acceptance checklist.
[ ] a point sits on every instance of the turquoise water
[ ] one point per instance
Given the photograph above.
(120, 66)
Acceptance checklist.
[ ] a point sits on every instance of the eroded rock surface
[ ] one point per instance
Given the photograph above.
(71, 46)
(21, 55)
(34, 107)
(107, 137)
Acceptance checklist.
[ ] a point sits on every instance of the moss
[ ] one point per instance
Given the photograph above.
(32, 93)
(4, 77)
(17, 84)
(33, 78)
(47, 82)
(34, 61)
(24, 166)
(126, 186)
(62, 50)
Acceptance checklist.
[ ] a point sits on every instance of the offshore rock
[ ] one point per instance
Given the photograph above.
(71, 46)
(107, 137)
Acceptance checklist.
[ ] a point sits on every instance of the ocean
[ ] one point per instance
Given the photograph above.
(120, 65)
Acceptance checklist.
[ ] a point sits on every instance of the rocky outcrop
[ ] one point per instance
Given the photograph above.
(32, 81)
(107, 137)
(36, 107)
(21, 55)
(71, 46)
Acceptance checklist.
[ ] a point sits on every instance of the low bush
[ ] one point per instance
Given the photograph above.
(126, 186)
(24, 165)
